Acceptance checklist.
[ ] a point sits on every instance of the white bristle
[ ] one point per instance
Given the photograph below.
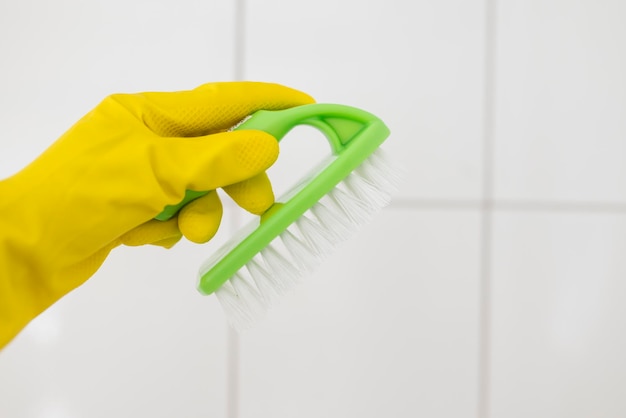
(353, 208)
(265, 282)
(304, 255)
(280, 267)
(366, 191)
(335, 227)
(379, 171)
(301, 247)
(240, 301)
(311, 232)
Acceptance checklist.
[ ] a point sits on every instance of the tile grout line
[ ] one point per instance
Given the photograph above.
(556, 206)
(232, 366)
(240, 39)
(233, 340)
(512, 205)
(486, 223)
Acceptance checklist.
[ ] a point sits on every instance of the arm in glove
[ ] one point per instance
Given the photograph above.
(102, 183)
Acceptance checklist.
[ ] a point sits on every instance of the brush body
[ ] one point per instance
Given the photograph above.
(269, 256)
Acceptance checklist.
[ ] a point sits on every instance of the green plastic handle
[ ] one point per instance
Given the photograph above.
(353, 135)
(339, 123)
(171, 210)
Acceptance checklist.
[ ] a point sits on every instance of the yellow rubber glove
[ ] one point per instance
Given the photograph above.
(102, 183)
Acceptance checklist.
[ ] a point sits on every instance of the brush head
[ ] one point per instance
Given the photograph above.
(306, 242)
(266, 259)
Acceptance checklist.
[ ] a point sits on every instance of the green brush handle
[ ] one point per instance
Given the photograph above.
(353, 135)
(338, 122)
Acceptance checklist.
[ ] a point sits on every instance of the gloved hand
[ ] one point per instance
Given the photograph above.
(103, 182)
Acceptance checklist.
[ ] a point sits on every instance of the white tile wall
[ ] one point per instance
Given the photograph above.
(556, 328)
(388, 327)
(136, 339)
(343, 347)
(558, 315)
(417, 65)
(60, 59)
(561, 99)
(543, 314)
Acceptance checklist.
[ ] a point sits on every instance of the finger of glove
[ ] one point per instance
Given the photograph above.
(210, 108)
(164, 234)
(200, 218)
(254, 195)
(168, 242)
(211, 162)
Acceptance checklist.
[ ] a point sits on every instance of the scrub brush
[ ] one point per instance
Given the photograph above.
(268, 257)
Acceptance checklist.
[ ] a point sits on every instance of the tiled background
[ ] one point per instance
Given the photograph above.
(492, 287)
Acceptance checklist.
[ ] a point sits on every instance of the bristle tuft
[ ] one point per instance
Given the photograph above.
(310, 239)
